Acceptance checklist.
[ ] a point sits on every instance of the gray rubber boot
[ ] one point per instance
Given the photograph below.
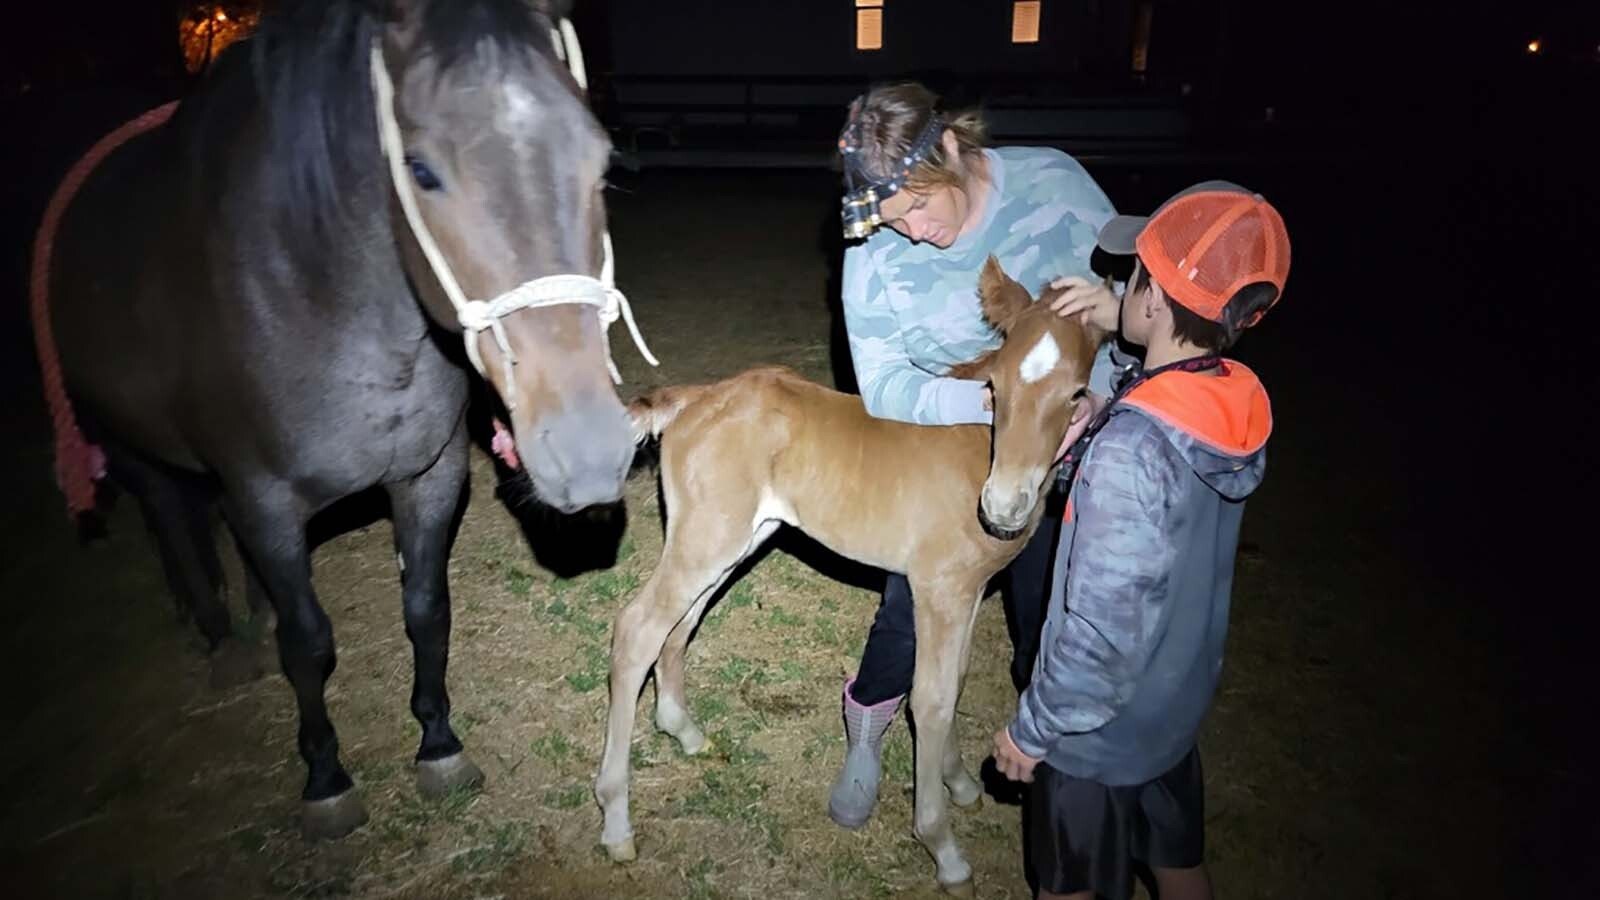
(855, 791)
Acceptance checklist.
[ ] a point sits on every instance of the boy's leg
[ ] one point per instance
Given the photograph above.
(1027, 597)
(1183, 884)
(1078, 836)
(1170, 838)
(870, 702)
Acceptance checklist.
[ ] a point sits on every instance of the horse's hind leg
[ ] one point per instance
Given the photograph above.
(701, 552)
(424, 513)
(672, 706)
(269, 521)
(178, 515)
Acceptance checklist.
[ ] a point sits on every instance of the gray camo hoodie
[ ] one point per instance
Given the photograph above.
(1132, 645)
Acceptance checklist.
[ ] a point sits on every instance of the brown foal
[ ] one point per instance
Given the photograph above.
(766, 447)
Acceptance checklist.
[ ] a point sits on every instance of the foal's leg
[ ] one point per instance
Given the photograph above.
(698, 557)
(964, 789)
(672, 707)
(942, 621)
(269, 521)
(424, 512)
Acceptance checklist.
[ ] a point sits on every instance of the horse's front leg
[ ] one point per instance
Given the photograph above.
(270, 523)
(942, 620)
(964, 789)
(424, 508)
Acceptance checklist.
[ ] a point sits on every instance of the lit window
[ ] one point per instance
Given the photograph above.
(1025, 22)
(869, 24)
(1141, 37)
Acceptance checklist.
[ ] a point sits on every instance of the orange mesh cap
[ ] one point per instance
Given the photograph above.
(1205, 244)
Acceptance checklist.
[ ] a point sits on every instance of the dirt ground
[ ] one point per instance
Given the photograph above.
(1330, 758)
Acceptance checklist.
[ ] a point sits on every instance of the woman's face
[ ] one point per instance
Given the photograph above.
(937, 215)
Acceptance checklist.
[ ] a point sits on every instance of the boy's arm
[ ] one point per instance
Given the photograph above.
(1117, 600)
(891, 386)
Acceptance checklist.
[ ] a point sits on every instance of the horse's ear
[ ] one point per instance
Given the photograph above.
(1001, 297)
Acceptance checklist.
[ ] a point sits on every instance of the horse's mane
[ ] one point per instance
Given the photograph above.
(305, 73)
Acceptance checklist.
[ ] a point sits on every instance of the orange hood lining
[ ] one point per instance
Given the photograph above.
(1228, 411)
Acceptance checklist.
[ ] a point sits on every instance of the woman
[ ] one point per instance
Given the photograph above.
(911, 312)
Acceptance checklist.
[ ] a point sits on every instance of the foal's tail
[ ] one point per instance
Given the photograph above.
(652, 413)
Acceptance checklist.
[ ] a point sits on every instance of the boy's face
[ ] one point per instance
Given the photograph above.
(1134, 323)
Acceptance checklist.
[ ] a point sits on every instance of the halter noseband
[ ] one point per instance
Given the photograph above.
(477, 316)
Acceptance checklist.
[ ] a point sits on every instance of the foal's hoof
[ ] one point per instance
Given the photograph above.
(438, 777)
(332, 818)
(623, 851)
(962, 889)
(234, 663)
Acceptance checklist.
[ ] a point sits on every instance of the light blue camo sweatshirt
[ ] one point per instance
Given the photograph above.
(911, 310)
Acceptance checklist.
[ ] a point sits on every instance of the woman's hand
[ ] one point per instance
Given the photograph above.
(1094, 300)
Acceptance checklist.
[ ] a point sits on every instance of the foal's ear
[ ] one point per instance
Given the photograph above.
(1001, 297)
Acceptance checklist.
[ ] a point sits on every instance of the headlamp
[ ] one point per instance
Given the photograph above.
(865, 190)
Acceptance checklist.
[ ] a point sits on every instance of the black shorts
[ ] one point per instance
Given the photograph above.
(1086, 836)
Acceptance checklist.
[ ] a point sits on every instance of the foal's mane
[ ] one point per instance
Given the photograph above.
(305, 73)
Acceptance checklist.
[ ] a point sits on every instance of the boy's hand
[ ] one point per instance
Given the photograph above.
(1097, 303)
(1012, 763)
(1087, 409)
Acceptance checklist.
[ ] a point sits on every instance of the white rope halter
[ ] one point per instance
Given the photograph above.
(477, 316)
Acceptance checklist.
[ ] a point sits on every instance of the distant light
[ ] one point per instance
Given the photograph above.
(222, 16)
(1534, 46)
(1025, 21)
(869, 24)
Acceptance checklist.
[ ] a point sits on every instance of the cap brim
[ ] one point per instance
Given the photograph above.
(1119, 234)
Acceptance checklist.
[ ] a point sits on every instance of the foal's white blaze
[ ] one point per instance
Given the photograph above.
(1040, 360)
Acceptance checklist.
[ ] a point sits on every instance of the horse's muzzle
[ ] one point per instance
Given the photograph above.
(1002, 528)
(578, 458)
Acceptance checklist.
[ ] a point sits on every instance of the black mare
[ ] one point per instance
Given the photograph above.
(244, 316)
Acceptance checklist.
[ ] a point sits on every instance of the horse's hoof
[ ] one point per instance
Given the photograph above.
(963, 889)
(438, 777)
(234, 663)
(333, 817)
(698, 748)
(623, 851)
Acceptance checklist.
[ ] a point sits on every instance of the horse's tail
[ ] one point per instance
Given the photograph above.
(652, 413)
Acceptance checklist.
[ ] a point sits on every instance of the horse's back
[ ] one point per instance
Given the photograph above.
(870, 489)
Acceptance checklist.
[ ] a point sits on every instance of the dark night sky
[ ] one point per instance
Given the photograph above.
(1329, 49)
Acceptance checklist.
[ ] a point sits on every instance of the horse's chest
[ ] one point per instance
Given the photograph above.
(394, 416)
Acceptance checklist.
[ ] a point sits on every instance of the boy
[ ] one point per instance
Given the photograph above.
(1132, 644)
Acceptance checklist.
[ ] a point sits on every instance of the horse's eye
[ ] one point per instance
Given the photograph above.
(1079, 393)
(424, 175)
